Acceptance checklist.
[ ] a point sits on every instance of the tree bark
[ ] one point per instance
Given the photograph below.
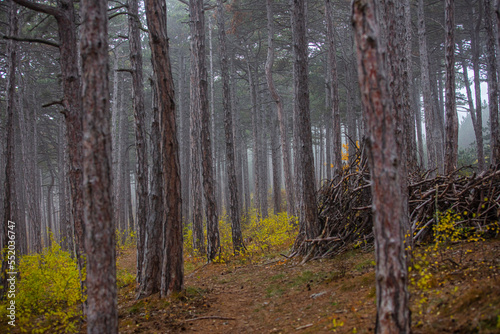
(478, 124)
(234, 212)
(308, 213)
(393, 314)
(154, 239)
(426, 90)
(64, 14)
(197, 60)
(9, 218)
(334, 89)
(492, 84)
(141, 148)
(451, 149)
(102, 315)
(172, 278)
(409, 136)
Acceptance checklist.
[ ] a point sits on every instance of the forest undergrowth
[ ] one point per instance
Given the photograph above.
(454, 287)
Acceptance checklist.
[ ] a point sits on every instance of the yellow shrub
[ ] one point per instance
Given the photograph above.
(261, 236)
(49, 297)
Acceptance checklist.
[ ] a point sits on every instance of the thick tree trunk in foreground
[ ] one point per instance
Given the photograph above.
(308, 211)
(172, 277)
(234, 206)
(102, 316)
(451, 143)
(391, 275)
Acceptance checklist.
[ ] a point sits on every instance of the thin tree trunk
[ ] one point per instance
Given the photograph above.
(308, 213)
(451, 150)
(234, 213)
(426, 90)
(407, 69)
(492, 84)
(478, 124)
(64, 217)
(393, 314)
(473, 113)
(276, 165)
(418, 121)
(172, 277)
(285, 144)
(195, 106)
(9, 218)
(327, 118)
(154, 239)
(255, 133)
(263, 160)
(102, 315)
(140, 132)
(334, 89)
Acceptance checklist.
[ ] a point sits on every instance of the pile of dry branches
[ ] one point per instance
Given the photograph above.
(346, 217)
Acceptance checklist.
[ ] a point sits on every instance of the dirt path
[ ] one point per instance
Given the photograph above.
(318, 297)
(276, 297)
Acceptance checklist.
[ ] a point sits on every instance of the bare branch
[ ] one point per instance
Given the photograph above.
(32, 40)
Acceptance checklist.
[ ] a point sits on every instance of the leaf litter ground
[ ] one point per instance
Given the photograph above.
(459, 292)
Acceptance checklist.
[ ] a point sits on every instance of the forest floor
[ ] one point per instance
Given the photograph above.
(455, 289)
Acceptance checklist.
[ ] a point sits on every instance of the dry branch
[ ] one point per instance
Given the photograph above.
(345, 202)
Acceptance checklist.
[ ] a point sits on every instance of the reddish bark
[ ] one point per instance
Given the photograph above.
(391, 275)
(172, 277)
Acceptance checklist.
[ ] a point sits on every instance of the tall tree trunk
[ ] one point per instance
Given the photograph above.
(154, 239)
(285, 144)
(172, 278)
(9, 218)
(234, 212)
(492, 84)
(64, 14)
(451, 146)
(418, 121)
(102, 315)
(184, 142)
(27, 125)
(409, 114)
(246, 181)
(195, 127)
(255, 133)
(64, 217)
(334, 89)
(393, 314)
(308, 213)
(276, 165)
(426, 90)
(473, 113)
(263, 159)
(197, 16)
(237, 139)
(140, 131)
(327, 118)
(478, 124)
